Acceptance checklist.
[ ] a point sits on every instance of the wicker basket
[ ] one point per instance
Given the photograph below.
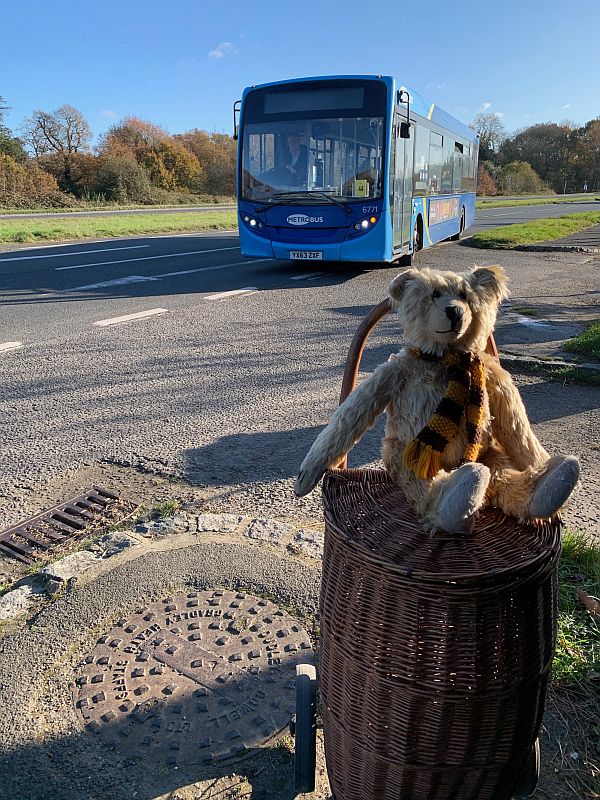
(435, 651)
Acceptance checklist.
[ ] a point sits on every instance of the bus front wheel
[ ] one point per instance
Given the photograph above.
(458, 236)
(408, 260)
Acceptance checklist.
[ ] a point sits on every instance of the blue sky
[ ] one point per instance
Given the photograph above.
(182, 64)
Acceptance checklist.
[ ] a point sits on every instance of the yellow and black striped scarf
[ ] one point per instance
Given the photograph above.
(464, 397)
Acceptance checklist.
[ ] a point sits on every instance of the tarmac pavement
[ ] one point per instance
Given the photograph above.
(228, 396)
(585, 241)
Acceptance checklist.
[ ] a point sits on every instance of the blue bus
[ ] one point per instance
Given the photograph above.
(350, 168)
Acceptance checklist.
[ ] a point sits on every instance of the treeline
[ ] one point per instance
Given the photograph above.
(543, 158)
(52, 163)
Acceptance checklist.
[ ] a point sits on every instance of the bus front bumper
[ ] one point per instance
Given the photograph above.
(376, 245)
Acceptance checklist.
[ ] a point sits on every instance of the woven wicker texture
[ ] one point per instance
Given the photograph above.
(435, 651)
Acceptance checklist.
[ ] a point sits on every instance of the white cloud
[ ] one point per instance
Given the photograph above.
(568, 105)
(498, 114)
(106, 112)
(485, 106)
(223, 49)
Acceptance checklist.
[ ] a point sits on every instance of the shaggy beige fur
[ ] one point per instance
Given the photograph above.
(443, 311)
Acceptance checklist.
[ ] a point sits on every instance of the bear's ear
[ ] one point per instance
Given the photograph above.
(490, 283)
(398, 285)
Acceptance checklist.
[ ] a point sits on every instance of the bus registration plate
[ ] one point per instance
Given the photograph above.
(306, 255)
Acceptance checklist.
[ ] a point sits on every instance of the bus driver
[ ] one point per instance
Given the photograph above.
(298, 159)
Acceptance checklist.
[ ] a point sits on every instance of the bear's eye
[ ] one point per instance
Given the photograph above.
(462, 295)
(435, 295)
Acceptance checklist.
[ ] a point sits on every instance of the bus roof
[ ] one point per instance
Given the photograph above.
(419, 104)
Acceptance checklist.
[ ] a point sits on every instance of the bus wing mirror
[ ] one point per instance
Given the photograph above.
(405, 130)
(236, 113)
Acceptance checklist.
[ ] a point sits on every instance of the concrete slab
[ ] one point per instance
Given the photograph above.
(44, 752)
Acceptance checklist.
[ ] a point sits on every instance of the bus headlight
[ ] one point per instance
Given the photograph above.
(364, 224)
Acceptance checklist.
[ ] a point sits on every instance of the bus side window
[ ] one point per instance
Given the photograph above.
(468, 170)
(458, 166)
(436, 162)
(421, 174)
(448, 165)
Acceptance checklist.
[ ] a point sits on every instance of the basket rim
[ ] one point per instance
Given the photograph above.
(525, 570)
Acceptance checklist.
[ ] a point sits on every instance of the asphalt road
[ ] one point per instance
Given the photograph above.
(231, 366)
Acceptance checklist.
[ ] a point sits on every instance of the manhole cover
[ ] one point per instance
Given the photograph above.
(196, 677)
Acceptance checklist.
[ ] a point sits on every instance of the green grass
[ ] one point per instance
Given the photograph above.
(526, 311)
(23, 231)
(588, 342)
(578, 639)
(166, 509)
(539, 230)
(499, 202)
(586, 377)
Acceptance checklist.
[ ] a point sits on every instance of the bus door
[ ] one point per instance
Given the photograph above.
(403, 189)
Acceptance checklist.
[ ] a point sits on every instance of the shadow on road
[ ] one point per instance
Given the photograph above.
(249, 457)
(171, 273)
(551, 400)
(130, 757)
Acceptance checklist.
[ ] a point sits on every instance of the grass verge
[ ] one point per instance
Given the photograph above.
(24, 231)
(573, 709)
(588, 342)
(578, 641)
(538, 230)
(499, 202)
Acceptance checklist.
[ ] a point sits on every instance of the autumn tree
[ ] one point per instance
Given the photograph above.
(586, 160)
(519, 177)
(131, 138)
(216, 153)
(27, 186)
(169, 164)
(61, 133)
(548, 147)
(491, 134)
(486, 185)
(9, 145)
(123, 180)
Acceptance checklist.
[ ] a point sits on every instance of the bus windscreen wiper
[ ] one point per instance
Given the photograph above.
(330, 198)
(282, 202)
(290, 196)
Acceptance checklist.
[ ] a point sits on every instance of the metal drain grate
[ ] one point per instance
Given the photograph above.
(35, 539)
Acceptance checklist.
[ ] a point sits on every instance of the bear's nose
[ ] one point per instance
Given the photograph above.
(454, 313)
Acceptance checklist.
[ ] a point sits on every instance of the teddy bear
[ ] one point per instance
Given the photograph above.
(457, 436)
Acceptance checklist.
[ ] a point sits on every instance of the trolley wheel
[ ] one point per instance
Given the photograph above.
(530, 773)
(305, 728)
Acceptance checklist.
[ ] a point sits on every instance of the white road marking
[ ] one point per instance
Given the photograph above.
(532, 323)
(140, 315)
(146, 258)
(306, 276)
(142, 278)
(116, 282)
(76, 253)
(10, 346)
(223, 295)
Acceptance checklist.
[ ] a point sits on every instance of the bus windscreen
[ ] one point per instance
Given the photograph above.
(316, 138)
